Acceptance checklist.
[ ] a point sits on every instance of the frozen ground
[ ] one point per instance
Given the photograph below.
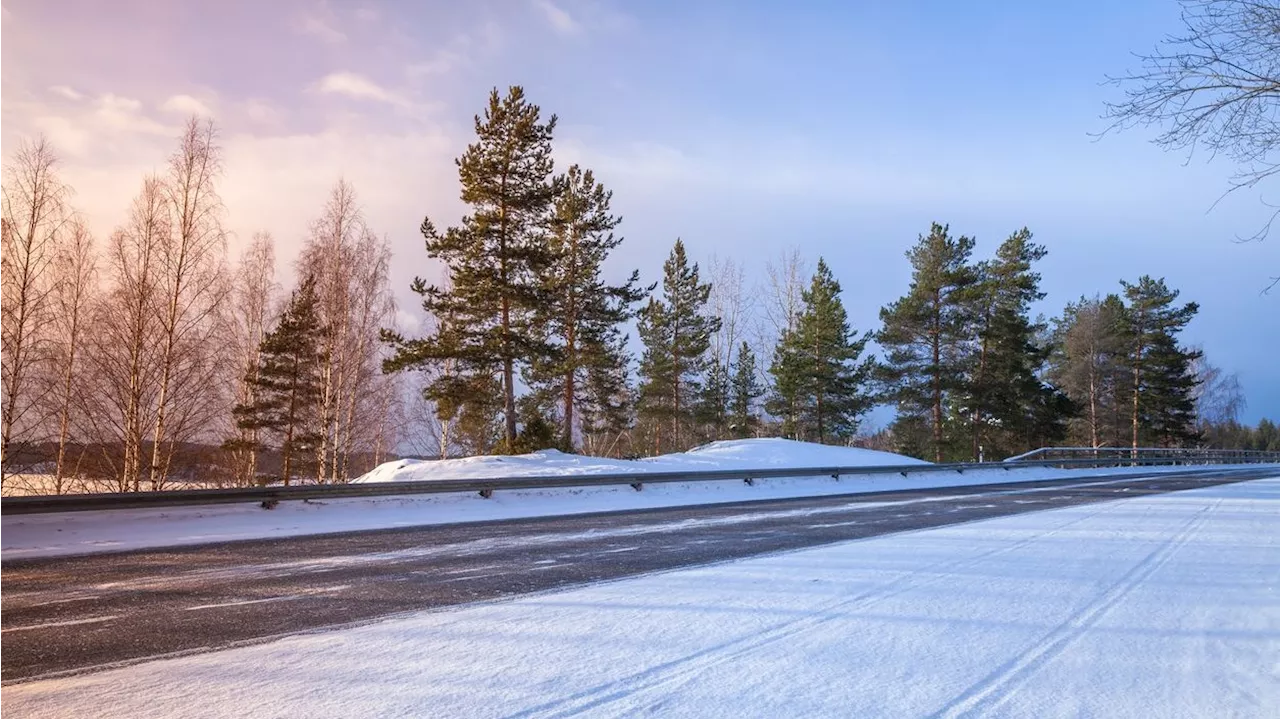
(1161, 606)
(49, 535)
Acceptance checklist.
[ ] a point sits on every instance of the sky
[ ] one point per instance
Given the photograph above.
(745, 128)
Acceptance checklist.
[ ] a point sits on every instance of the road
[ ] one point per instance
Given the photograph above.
(75, 614)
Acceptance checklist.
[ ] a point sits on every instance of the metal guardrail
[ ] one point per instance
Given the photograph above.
(486, 487)
(1122, 453)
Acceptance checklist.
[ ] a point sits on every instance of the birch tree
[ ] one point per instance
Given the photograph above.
(350, 264)
(34, 217)
(253, 307)
(126, 334)
(192, 281)
(75, 287)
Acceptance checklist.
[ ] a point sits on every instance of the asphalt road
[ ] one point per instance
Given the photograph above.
(75, 614)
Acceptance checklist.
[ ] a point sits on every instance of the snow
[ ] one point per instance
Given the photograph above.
(728, 454)
(1166, 605)
(74, 533)
(71, 533)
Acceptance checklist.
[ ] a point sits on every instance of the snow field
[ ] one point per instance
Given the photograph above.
(1159, 606)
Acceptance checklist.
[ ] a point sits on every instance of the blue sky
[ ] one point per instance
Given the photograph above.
(842, 129)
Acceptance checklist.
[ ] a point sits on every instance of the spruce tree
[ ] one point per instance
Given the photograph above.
(817, 370)
(927, 336)
(713, 401)
(676, 332)
(582, 315)
(496, 259)
(288, 382)
(1162, 383)
(744, 391)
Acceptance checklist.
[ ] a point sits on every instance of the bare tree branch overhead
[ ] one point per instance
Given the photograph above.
(1213, 87)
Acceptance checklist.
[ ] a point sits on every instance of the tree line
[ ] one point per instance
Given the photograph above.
(155, 356)
(131, 361)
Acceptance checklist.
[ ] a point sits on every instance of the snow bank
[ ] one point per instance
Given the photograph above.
(729, 454)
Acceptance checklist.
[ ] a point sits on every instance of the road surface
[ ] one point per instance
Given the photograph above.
(75, 614)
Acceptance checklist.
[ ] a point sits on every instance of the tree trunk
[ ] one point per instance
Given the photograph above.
(937, 376)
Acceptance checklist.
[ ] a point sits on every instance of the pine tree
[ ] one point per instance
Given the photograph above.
(744, 391)
(1005, 395)
(496, 258)
(927, 337)
(287, 381)
(676, 332)
(817, 370)
(1162, 385)
(582, 315)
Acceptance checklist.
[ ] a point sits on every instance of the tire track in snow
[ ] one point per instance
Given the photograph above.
(680, 671)
(987, 695)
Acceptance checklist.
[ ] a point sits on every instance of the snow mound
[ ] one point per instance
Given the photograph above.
(777, 452)
(729, 454)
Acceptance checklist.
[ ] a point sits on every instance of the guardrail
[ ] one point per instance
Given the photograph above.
(269, 496)
(1122, 453)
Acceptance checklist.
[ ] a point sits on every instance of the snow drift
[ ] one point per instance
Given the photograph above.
(728, 454)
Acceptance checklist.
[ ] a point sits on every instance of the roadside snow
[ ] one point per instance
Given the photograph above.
(729, 454)
(1160, 606)
(63, 534)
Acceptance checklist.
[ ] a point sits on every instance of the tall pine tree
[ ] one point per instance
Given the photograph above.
(582, 314)
(496, 260)
(745, 391)
(288, 380)
(1004, 390)
(1162, 382)
(817, 369)
(926, 336)
(676, 332)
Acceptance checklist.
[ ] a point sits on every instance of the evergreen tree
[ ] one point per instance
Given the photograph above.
(713, 401)
(927, 336)
(817, 371)
(496, 260)
(1005, 398)
(582, 315)
(607, 400)
(744, 391)
(288, 382)
(1163, 385)
(676, 332)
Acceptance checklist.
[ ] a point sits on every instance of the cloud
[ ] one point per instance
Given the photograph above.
(186, 105)
(441, 62)
(321, 28)
(124, 114)
(357, 86)
(68, 92)
(560, 20)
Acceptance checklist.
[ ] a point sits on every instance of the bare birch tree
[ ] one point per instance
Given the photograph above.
(253, 304)
(34, 216)
(126, 333)
(75, 287)
(191, 263)
(351, 266)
